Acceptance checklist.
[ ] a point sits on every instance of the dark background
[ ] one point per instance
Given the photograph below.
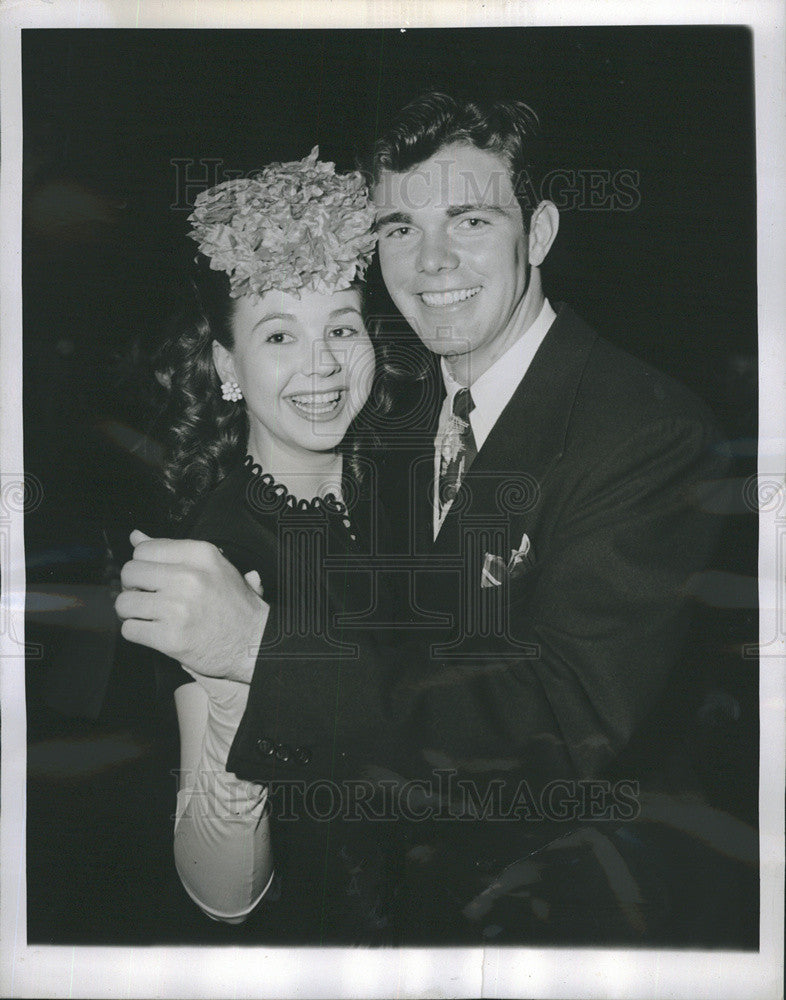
(105, 115)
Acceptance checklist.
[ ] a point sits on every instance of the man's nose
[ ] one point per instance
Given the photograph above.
(436, 253)
(325, 358)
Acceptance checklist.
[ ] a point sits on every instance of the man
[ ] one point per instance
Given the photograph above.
(548, 519)
(557, 507)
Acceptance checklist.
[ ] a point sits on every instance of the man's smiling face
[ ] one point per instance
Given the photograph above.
(454, 252)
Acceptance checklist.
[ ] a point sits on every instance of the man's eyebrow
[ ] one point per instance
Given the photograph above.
(391, 218)
(454, 210)
(405, 219)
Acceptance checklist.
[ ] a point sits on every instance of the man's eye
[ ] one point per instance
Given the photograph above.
(341, 332)
(398, 233)
(473, 223)
(278, 338)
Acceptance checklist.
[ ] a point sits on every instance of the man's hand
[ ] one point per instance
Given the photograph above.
(183, 598)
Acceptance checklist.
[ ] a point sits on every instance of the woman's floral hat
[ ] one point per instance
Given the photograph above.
(294, 225)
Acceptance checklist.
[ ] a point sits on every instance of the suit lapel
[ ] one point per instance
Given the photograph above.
(530, 433)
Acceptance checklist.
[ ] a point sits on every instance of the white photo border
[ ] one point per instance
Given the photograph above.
(185, 971)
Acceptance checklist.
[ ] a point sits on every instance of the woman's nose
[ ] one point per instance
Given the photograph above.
(436, 253)
(325, 358)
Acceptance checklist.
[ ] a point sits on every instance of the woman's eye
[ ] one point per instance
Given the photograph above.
(278, 338)
(341, 332)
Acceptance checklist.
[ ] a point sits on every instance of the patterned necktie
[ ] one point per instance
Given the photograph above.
(458, 449)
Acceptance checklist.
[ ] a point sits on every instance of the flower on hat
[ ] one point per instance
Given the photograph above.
(291, 226)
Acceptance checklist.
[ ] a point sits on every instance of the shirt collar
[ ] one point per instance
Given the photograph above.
(492, 391)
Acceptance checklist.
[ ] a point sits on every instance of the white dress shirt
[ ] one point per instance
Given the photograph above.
(491, 393)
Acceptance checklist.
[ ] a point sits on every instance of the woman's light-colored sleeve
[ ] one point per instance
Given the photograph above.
(222, 834)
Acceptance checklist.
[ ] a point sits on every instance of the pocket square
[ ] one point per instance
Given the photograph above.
(521, 557)
(495, 571)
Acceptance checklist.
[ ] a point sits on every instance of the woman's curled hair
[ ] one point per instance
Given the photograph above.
(206, 436)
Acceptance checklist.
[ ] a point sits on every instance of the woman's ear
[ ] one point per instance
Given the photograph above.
(543, 228)
(224, 365)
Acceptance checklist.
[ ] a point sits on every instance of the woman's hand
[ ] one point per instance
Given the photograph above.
(183, 598)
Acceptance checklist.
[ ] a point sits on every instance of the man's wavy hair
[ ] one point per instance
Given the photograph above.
(510, 129)
(208, 436)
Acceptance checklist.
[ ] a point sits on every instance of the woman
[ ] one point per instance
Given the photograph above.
(269, 377)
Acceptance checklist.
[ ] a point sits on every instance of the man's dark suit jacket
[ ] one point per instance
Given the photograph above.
(561, 673)
(601, 465)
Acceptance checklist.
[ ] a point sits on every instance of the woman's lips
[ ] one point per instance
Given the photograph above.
(317, 405)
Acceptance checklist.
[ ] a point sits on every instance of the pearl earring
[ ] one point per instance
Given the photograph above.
(231, 391)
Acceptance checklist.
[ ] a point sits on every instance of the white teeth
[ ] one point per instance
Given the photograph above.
(448, 298)
(317, 397)
(317, 402)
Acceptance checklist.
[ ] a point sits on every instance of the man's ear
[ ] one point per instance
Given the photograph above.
(543, 229)
(224, 365)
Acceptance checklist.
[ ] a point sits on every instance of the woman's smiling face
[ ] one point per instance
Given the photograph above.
(304, 365)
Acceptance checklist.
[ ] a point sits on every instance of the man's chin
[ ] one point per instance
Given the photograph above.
(445, 347)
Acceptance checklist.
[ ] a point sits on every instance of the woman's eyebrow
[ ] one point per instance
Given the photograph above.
(286, 317)
(267, 316)
(344, 310)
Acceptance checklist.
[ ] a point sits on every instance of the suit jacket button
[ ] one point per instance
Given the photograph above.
(302, 755)
(265, 747)
(283, 753)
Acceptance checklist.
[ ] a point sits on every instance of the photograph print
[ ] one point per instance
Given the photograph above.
(391, 398)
